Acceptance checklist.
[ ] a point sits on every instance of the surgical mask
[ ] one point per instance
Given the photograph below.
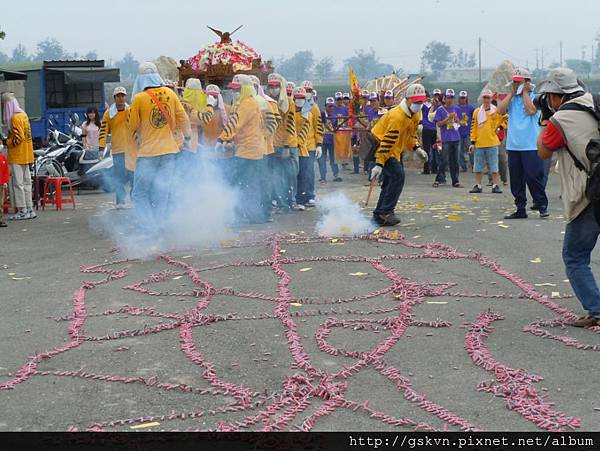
(416, 107)
(236, 95)
(274, 92)
(299, 103)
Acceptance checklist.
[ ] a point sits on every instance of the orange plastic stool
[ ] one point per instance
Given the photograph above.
(56, 198)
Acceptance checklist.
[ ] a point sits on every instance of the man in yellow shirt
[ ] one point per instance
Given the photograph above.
(485, 142)
(396, 132)
(155, 114)
(20, 156)
(114, 123)
(315, 140)
(246, 131)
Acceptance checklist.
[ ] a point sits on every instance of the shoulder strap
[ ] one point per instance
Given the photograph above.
(161, 107)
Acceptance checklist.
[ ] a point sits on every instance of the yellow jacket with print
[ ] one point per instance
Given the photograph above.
(303, 132)
(213, 129)
(198, 120)
(245, 128)
(20, 144)
(272, 121)
(315, 133)
(396, 132)
(286, 134)
(147, 121)
(485, 135)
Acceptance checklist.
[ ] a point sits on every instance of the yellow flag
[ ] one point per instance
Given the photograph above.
(354, 85)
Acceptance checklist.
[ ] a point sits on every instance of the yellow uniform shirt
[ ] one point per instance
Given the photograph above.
(286, 135)
(303, 132)
(121, 137)
(485, 135)
(246, 129)
(20, 144)
(315, 133)
(213, 129)
(147, 121)
(396, 132)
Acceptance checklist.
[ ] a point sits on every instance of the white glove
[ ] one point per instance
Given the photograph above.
(376, 172)
(212, 101)
(422, 154)
(318, 152)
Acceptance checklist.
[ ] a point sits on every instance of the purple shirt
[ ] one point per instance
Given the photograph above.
(449, 133)
(466, 118)
(327, 137)
(427, 124)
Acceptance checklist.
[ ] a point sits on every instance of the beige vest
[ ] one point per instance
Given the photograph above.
(577, 128)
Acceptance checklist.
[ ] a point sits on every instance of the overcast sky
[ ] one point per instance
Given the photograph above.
(397, 30)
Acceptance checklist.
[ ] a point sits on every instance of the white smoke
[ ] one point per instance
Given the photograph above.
(341, 217)
(202, 207)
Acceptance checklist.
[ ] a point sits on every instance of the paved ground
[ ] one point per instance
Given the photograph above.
(297, 332)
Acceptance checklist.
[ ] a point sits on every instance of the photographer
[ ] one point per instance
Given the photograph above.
(568, 132)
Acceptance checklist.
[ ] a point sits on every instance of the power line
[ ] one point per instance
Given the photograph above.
(502, 51)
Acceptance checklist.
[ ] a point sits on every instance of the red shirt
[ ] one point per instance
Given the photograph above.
(552, 137)
(4, 170)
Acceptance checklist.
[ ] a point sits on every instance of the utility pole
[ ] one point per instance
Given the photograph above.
(537, 60)
(583, 52)
(542, 59)
(480, 60)
(561, 54)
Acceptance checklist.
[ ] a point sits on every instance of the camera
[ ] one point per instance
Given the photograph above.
(541, 103)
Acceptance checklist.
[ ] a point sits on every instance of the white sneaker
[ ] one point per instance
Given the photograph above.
(312, 203)
(298, 207)
(19, 216)
(31, 214)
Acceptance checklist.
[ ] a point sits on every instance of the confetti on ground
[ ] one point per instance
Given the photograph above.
(504, 226)
(547, 284)
(536, 260)
(145, 425)
(555, 294)
(437, 302)
(305, 269)
(359, 274)
(454, 218)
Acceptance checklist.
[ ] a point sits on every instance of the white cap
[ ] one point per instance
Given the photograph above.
(520, 74)
(290, 86)
(274, 79)
(255, 80)
(437, 91)
(487, 93)
(463, 94)
(307, 85)
(449, 92)
(330, 101)
(339, 95)
(416, 93)
(119, 90)
(374, 96)
(213, 89)
(346, 95)
(193, 83)
(147, 68)
(299, 92)
(388, 95)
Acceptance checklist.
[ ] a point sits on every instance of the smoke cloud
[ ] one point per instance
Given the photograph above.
(342, 217)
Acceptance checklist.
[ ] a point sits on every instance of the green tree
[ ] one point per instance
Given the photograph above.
(4, 58)
(19, 54)
(128, 67)
(324, 68)
(298, 66)
(91, 55)
(367, 65)
(581, 67)
(436, 57)
(2, 34)
(50, 49)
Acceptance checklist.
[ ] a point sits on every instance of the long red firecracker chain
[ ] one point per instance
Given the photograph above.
(302, 389)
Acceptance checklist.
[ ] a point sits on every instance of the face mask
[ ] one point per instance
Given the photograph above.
(299, 103)
(274, 92)
(236, 95)
(416, 107)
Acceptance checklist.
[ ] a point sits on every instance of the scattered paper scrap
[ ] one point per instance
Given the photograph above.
(393, 235)
(547, 284)
(335, 240)
(296, 304)
(437, 302)
(377, 232)
(455, 207)
(21, 278)
(177, 277)
(359, 274)
(282, 251)
(420, 205)
(416, 236)
(187, 256)
(454, 218)
(555, 294)
(305, 269)
(145, 425)
(536, 260)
